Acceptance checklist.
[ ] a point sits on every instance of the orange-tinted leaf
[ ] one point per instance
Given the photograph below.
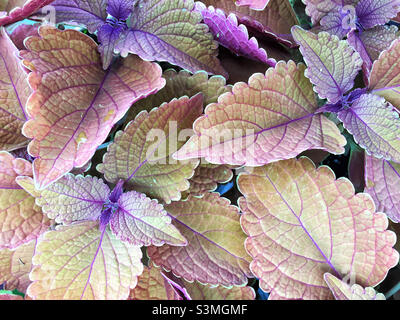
(215, 253)
(207, 176)
(14, 92)
(271, 118)
(198, 291)
(15, 266)
(153, 286)
(342, 291)
(21, 220)
(141, 154)
(75, 102)
(80, 262)
(302, 223)
(179, 84)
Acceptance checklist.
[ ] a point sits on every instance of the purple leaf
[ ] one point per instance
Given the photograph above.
(170, 30)
(69, 119)
(143, 222)
(108, 37)
(231, 35)
(17, 10)
(141, 154)
(273, 22)
(120, 9)
(91, 13)
(317, 9)
(382, 180)
(80, 262)
(72, 198)
(370, 43)
(375, 125)
(332, 64)
(22, 32)
(338, 23)
(371, 13)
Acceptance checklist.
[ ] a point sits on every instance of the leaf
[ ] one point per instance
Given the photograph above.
(317, 9)
(207, 176)
(385, 75)
(120, 9)
(231, 35)
(275, 21)
(15, 91)
(22, 32)
(79, 262)
(342, 291)
(15, 266)
(253, 4)
(21, 220)
(20, 9)
(170, 30)
(382, 179)
(371, 13)
(332, 63)
(375, 126)
(152, 285)
(215, 253)
(143, 222)
(198, 291)
(140, 154)
(108, 37)
(333, 23)
(377, 40)
(72, 198)
(179, 84)
(269, 119)
(72, 117)
(90, 13)
(302, 223)
(10, 296)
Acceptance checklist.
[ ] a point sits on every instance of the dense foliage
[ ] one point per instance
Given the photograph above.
(176, 150)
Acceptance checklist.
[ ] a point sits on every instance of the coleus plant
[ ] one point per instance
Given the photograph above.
(363, 22)
(110, 159)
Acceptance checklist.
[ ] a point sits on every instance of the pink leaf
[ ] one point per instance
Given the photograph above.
(71, 198)
(199, 291)
(269, 119)
(21, 220)
(371, 43)
(332, 63)
(78, 262)
(375, 125)
(253, 4)
(15, 266)
(342, 291)
(152, 285)
(385, 75)
(22, 32)
(207, 176)
(275, 21)
(231, 35)
(143, 222)
(72, 117)
(141, 153)
(382, 179)
(215, 253)
(301, 223)
(14, 94)
(20, 9)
